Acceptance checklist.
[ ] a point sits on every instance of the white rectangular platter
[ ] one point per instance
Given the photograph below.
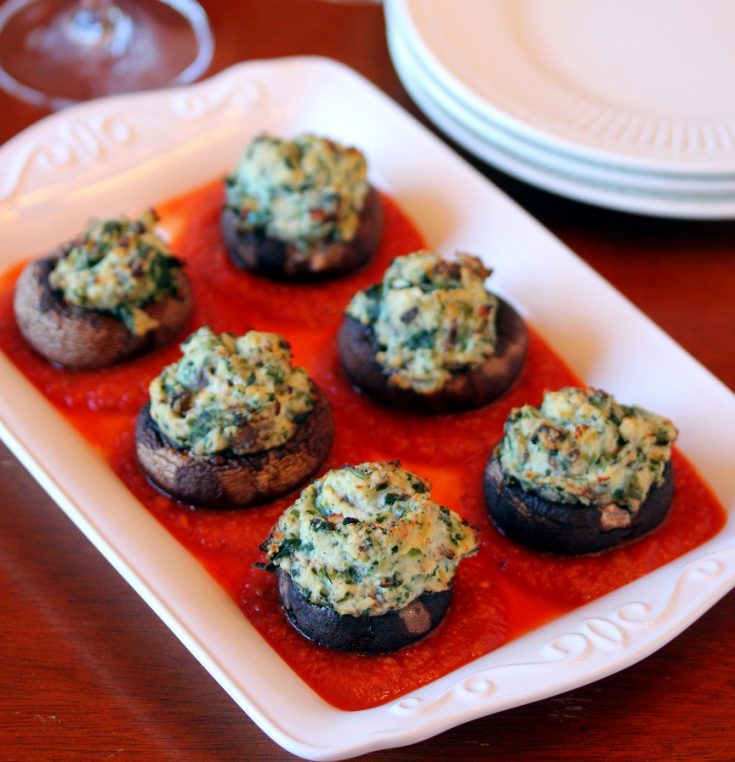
(122, 154)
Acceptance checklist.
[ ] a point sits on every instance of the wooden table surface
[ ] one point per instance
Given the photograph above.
(89, 672)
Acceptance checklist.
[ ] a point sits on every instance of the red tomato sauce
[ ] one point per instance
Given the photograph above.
(500, 593)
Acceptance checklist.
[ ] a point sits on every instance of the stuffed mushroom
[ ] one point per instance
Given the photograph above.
(365, 559)
(431, 338)
(300, 209)
(233, 422)
(110, 294)
(581, 473)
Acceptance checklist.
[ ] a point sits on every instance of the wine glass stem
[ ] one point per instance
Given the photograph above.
(100, 24)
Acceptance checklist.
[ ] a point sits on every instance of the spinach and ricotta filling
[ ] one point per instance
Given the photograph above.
(303, 191)
(582, 446)
(117, 266)
(364, 540)
(232, 395)
(431, 317)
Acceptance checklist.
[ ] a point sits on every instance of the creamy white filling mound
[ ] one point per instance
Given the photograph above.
(367, 539)
(582, 446)
(117, 266)
(432, 317)
(240, 395)
(306, 190)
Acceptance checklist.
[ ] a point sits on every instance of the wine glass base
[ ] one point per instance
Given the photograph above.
(54, 53)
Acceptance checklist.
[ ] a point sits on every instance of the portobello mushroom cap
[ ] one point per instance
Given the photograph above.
(282, 260)
(570, 528)
(466, 389)
(217, 480)
(363, 634)
(79, 338)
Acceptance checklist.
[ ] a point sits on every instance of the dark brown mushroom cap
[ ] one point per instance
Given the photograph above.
(570, 528)
(79, 338)
(465, 390)
(282, 260)
(219, 480)
(363, 634)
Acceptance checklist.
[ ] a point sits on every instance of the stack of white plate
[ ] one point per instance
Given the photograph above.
(629, 106)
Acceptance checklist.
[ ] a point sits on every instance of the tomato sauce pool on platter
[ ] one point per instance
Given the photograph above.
(500, 593)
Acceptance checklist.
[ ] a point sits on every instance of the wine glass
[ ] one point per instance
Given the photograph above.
(56, 52)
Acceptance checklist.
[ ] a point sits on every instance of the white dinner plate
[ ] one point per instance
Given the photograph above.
(628, 180)
(550, 170)
(128, 152)
(645, 85)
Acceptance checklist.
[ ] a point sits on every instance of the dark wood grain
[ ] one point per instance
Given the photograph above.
(90, 673)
